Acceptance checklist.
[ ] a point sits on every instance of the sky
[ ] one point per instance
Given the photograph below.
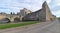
(8, 6)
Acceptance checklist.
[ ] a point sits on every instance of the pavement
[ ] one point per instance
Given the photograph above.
(44, 27)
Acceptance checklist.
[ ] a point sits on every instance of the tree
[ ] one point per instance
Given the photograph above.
(11, 13)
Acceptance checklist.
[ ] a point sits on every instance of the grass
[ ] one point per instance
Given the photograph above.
(5, 26)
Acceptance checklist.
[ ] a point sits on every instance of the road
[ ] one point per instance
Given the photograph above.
(52, 27)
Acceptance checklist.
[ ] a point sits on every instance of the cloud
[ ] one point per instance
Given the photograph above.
(3, 8)
(15, 5)
(57, 13)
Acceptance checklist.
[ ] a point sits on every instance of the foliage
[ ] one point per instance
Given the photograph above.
(59, 18)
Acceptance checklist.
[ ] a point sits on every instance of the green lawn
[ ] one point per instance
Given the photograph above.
(4, 26)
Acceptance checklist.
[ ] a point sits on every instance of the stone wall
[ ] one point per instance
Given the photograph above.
(31, 16)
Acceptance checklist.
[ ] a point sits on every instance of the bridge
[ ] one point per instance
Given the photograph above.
(10, 17)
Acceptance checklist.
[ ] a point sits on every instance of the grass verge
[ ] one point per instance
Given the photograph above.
(5, 26)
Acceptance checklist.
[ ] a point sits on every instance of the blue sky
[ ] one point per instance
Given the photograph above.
(8, 6)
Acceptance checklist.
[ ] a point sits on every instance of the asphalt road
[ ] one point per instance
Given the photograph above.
(53, 27)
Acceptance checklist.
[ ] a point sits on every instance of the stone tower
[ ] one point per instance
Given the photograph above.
(47, 12)
(24, 11)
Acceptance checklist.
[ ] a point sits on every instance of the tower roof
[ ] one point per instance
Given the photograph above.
(44, 3)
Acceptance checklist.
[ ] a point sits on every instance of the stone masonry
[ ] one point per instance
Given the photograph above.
(43, 14)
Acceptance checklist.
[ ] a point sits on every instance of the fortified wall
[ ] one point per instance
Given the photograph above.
(43, 14)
